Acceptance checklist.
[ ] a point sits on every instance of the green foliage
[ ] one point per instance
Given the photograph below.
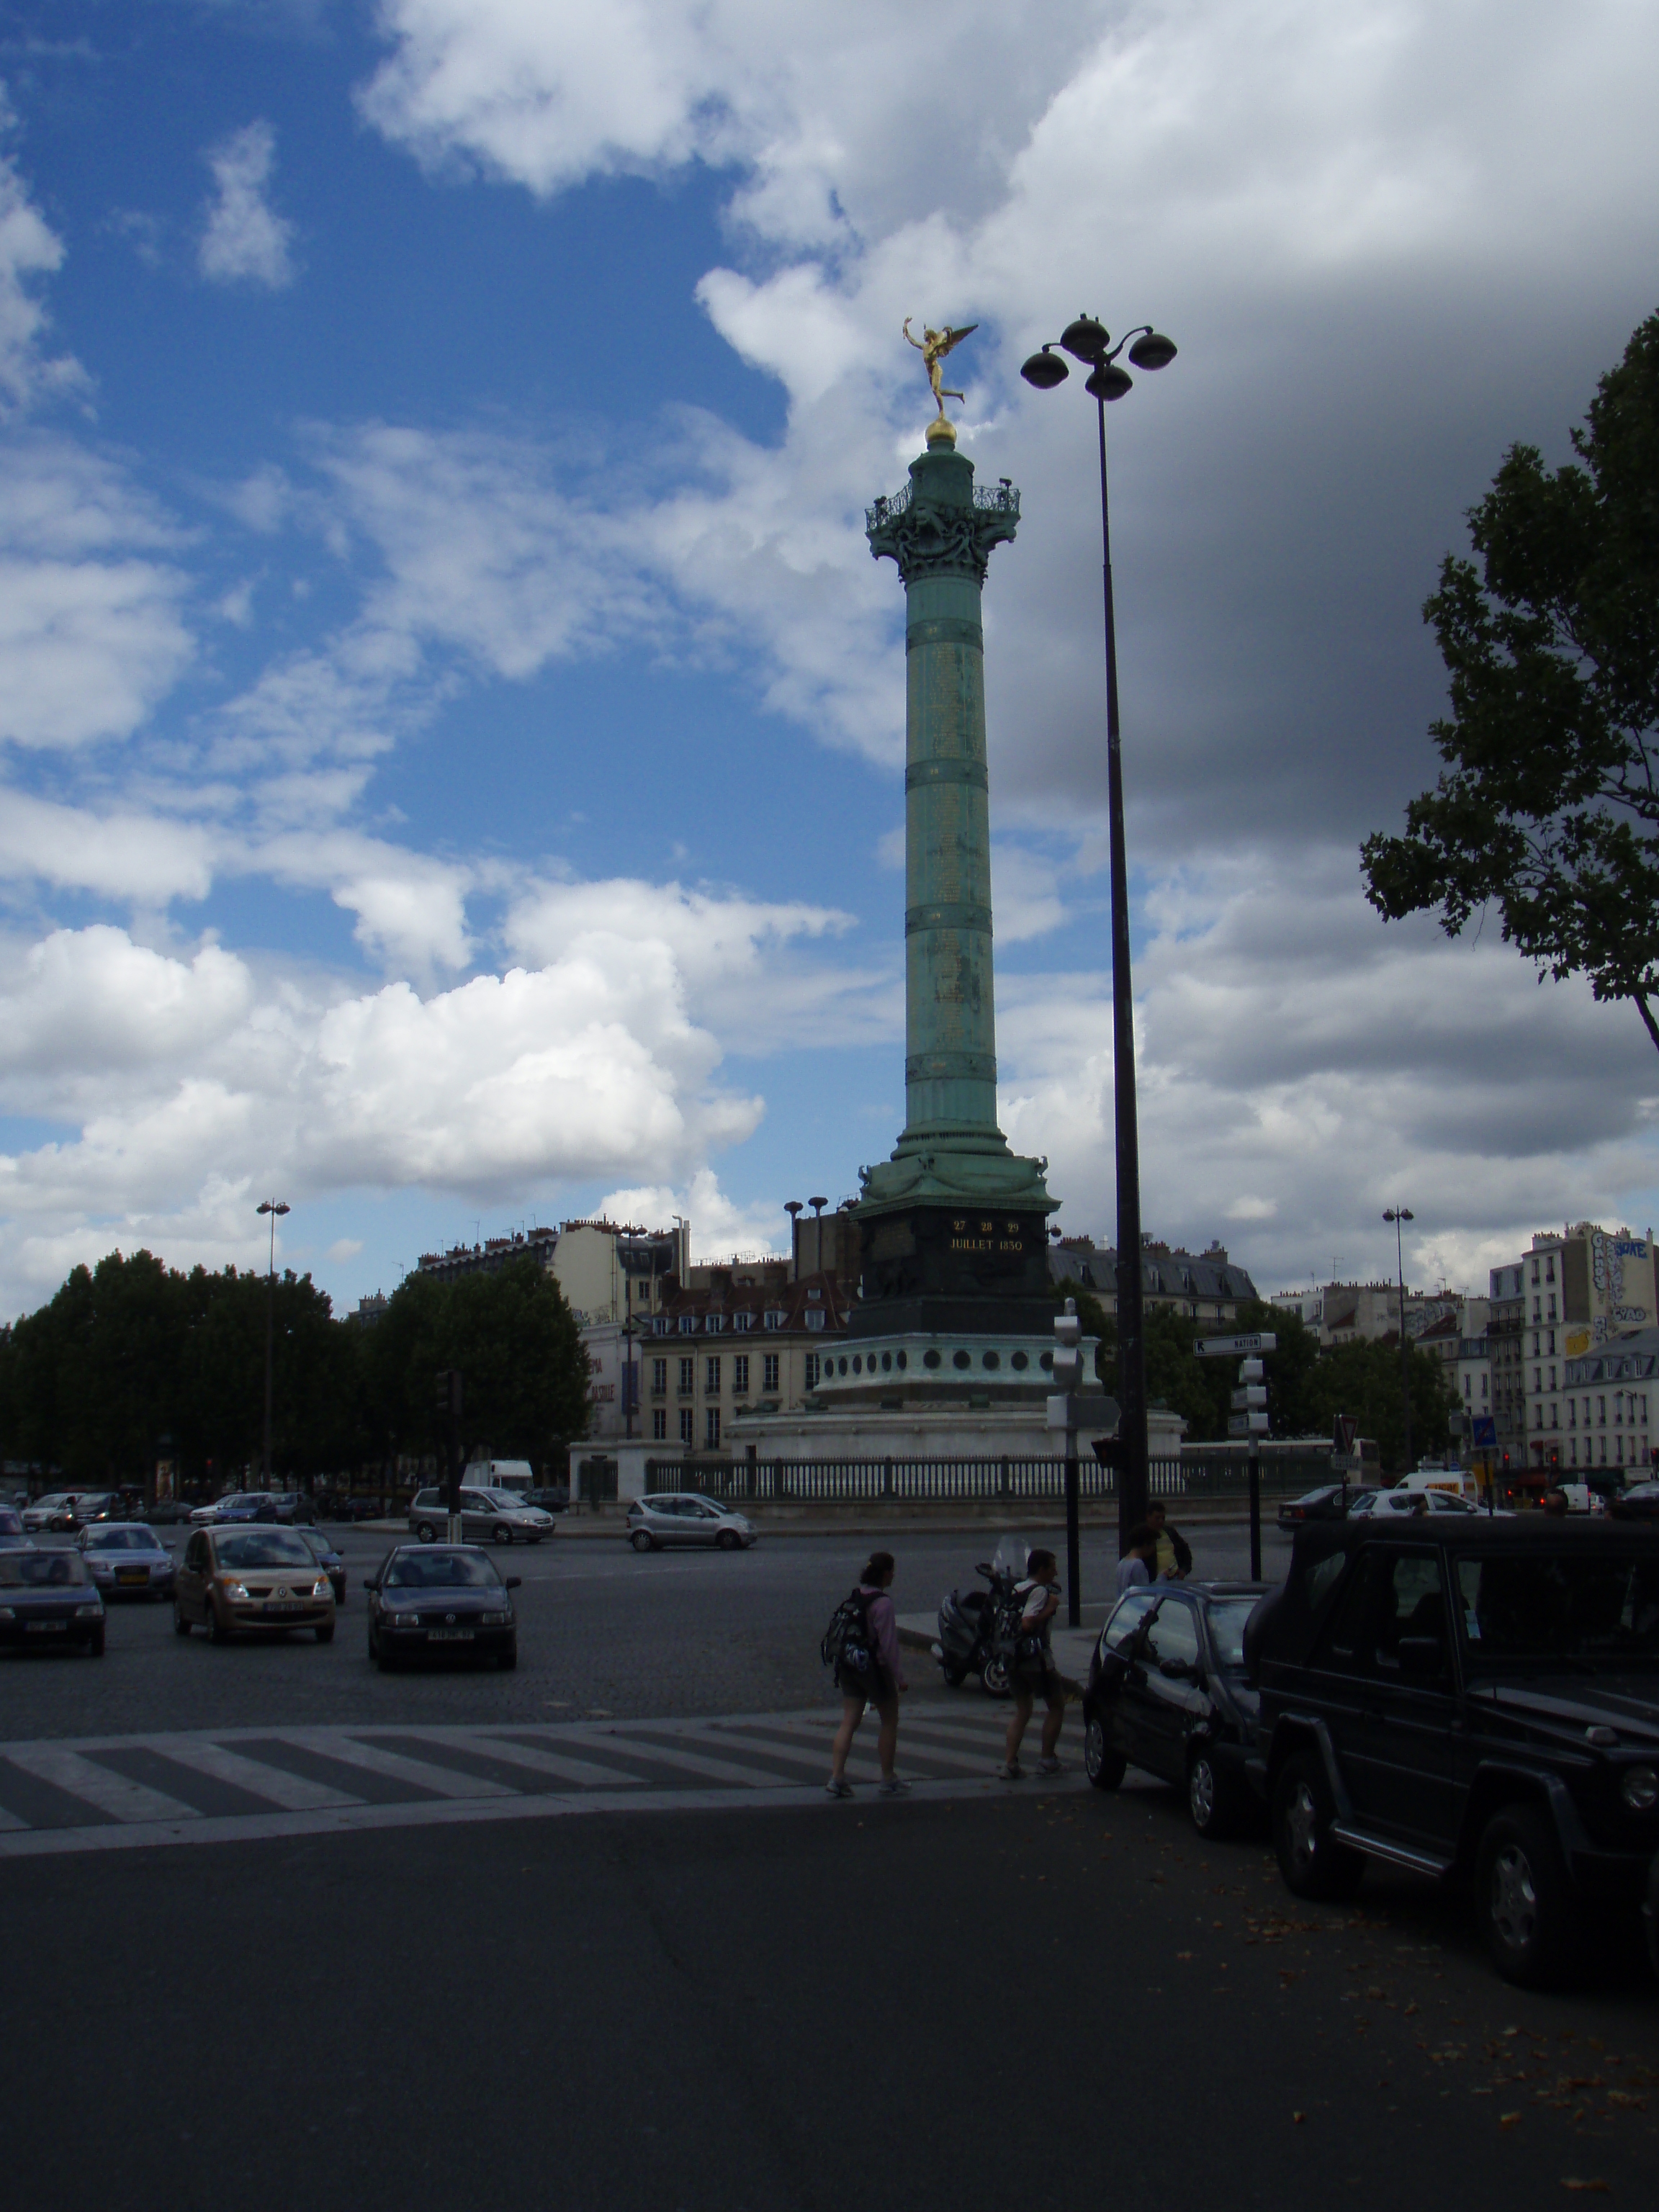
(515, 1340)
(1548, 806)
(130, 1352)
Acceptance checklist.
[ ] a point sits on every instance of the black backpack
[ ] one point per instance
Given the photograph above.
(849, 1645)
(1014, 1645)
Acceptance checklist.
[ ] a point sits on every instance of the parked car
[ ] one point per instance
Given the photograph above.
(55, 1513)
(554, 1499)
(287, 1507)
(126, 1560)
(1328, 1502)
(666, 1517)
(1470, 1698)
(1167, 1693)
(165, 1513)
(326, 1558)
(354, 1509)
(48, 1599)
(1640, 1502)
(496, 1516)
(11, 1530)
(249, 1507)
(1410, 1505)
(446, 1600)
(236, 1579)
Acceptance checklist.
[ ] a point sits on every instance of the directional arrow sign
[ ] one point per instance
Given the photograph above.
(1347, 1429)
(1234, 1347)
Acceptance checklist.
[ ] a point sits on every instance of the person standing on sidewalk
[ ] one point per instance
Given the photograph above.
(1033, 1672)
(1174, 1562)
(1136, 1565)
(879, 1688)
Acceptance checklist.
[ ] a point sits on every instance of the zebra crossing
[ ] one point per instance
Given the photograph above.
(228, 1785)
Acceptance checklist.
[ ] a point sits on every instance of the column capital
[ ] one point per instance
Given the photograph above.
(942, 524)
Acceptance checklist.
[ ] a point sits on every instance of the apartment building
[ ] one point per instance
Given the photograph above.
(1609, 1394)
(1573, 1300)
(1205, 1286)
(608, 1270)
(1466, 1359)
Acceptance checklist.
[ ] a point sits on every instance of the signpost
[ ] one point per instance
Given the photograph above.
(449, 1408)
(1249, 1417)
(1062, 1414)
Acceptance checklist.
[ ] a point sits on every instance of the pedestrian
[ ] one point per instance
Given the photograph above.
(877, 1684)
(1174, 1560)
(1033, 1672)
(1136, 1565)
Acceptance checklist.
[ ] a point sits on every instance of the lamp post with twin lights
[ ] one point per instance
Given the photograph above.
(1087, 340)
(273, 1206)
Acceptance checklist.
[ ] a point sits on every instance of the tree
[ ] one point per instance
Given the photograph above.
(1548, 806)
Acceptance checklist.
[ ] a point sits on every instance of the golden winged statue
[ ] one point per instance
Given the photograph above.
(932, 346)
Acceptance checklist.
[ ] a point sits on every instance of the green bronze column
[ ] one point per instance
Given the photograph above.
(940, 530)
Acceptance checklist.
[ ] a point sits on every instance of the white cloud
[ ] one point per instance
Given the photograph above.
(144, 859)
(29, 249)
(719, 1227)
(244, 239)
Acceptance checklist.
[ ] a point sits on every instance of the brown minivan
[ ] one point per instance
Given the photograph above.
(255, 1577)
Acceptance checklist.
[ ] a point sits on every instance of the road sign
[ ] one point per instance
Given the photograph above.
(1250, 1397)
(1485, 1431)
(1346, 1430)
(1247, 1425)
(1234, 1347)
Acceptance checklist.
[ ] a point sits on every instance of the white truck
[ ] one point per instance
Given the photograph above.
(501, 1474)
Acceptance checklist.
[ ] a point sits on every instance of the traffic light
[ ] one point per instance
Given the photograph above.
(1555, 1458)
(449, 1390)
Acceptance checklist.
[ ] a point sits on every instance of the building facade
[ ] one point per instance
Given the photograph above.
(608, 1270)
(1579, 1292)
(1610, 1393)
(1205, 1286)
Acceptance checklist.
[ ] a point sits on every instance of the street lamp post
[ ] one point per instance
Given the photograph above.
(273, 1206)
(1398, 1215)
(1087, 340)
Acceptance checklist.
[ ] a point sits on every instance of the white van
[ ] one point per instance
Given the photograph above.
(501, 1474)
(1457, 1481)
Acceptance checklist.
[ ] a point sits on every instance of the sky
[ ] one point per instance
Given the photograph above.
(451, 724)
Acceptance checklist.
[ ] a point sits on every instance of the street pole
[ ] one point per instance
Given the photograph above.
(1398, 1215)
(1067, 1377)
(1255, 1507)
(1085, 339)
(449, 1405)
(1131, 1321)
(274, 1207)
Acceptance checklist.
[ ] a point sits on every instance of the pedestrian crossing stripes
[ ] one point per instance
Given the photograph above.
(228, 1785)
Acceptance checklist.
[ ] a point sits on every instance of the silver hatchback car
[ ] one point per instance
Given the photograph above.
(684, 1517)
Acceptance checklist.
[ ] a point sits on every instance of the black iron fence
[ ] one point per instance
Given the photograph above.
(949, 1481)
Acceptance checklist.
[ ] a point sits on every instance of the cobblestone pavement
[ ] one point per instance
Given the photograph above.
(603, 1633)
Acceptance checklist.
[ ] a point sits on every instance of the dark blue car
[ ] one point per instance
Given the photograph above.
(48, 1601)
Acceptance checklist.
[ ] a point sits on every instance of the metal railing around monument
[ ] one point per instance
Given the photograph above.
(948, 1481)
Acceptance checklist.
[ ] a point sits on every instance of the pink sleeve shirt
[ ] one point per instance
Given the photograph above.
(883, 1624)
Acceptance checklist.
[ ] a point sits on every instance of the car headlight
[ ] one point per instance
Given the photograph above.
(8, 1613)
(322, 1587)
(234, 1589)
(1640, 1789)
(403, 1620)
(494, 1620)
(88, 1608)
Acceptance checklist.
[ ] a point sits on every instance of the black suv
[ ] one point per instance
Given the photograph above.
(1468, 1697)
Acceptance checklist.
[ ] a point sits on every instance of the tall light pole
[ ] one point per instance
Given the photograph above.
(1400, 1215)
(273, 1206)
(1087, 340)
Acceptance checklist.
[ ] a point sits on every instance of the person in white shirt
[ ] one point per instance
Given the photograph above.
(1136, 1565)
(1033, 1672)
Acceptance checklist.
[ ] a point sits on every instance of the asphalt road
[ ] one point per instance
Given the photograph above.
(602, 1631)
(916, 2005)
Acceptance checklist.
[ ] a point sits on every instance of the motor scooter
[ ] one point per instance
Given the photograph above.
(967, 1622)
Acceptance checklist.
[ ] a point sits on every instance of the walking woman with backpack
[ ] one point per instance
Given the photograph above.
(863, 1646)
(1032, 1673)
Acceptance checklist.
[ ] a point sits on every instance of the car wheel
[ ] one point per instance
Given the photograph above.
(425, 1533)
(507, 1659)
(1104, 1767)
(502, 1534)
(1212, 1796)
(217, 1633)
(1523, 1899)
(325, 1631)
(728, 1541)
(95, 1642)
(1313, 1863)
(993, 1675)
(180, 1626)
(641, 1539)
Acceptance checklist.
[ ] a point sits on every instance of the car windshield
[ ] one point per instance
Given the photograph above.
(314, 1540)
(1583, 1608)
(40, 1570)
(430, 1569)
(121, 1539)
(265, 1547)
(502, 1496)
(1227, 1617)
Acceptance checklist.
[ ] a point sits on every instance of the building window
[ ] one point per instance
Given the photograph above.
(1485, 1382)
(1549, 1269)
(1537, 1379)
(658, 1378)
(660, 1425)
(769, 1371)
(1551, 1312)
(1553, 1423)
(688, 1433)
(711, 1381)
(812, 1368)
(740, 1372)
(688, 1322)
(1552, 1378)
(688, 1375)
(712, 1428)
(815, 1316)
(1600, 1412)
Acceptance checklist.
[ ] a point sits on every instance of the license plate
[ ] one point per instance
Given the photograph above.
(284, 1606)
(132, 1574)
(449, 1635)
(48, 1627)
